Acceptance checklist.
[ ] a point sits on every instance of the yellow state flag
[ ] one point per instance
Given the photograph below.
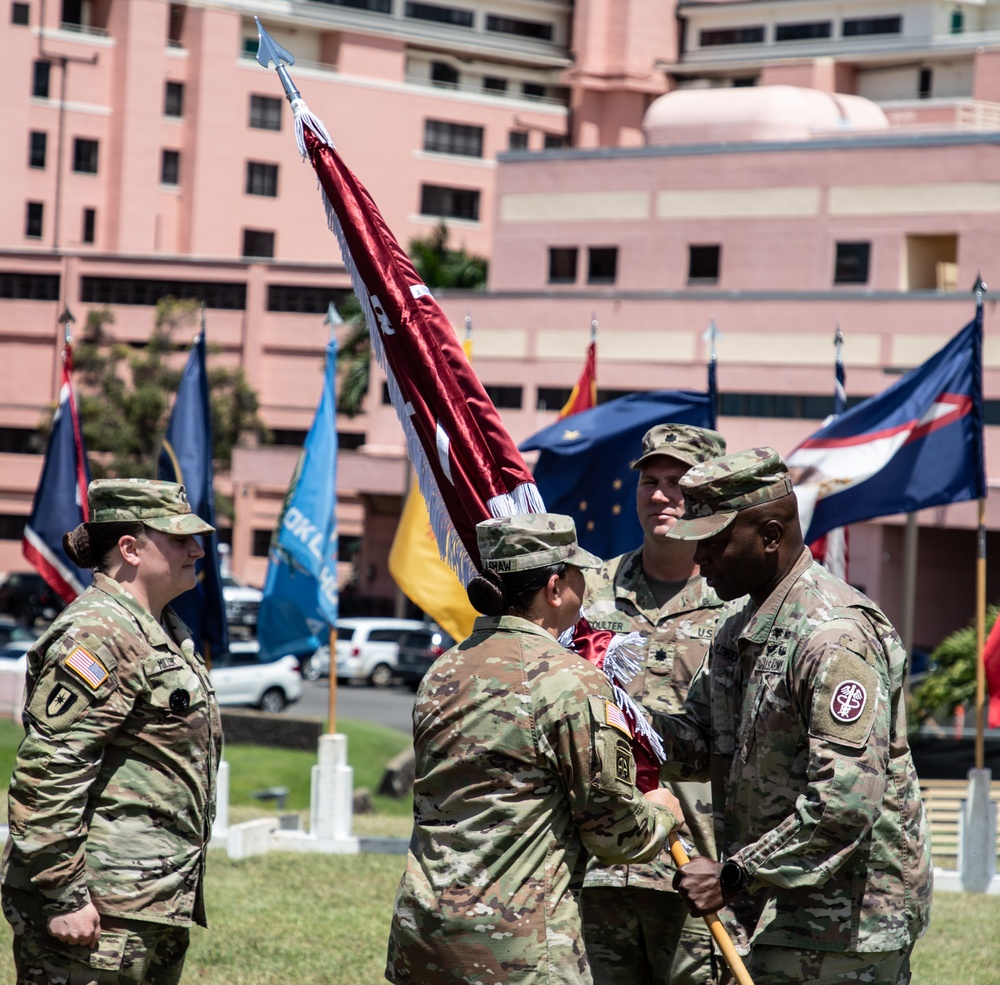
(426, 580)
(415, 562)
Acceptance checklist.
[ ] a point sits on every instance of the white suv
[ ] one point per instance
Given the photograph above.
(366, 650)
(242, 678)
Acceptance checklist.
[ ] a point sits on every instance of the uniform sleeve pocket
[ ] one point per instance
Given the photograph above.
(107, 956)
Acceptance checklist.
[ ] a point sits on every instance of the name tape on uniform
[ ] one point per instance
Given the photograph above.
(87, 667)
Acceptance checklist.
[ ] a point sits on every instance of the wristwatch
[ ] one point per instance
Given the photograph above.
(732, 875)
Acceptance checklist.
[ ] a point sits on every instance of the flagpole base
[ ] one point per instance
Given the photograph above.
(977, 835)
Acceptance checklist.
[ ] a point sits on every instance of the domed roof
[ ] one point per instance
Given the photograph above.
(697, 116)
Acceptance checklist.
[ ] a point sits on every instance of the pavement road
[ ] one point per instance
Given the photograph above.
(389, 706)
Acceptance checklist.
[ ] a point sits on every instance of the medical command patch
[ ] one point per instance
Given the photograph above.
(87, 667)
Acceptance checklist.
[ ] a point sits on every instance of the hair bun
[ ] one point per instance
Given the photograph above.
(485, 593)
(76, 544)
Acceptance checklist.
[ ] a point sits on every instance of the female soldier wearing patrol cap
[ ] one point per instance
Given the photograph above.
(113, 794)
(523, 766)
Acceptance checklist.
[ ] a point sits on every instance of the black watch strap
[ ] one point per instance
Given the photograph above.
(732, 875)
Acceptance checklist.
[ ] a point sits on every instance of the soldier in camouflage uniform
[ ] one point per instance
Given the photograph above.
(798, 717)
(113, 794)
(523, 765)
(636, 928)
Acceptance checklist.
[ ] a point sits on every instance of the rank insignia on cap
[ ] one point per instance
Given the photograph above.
(614, 717)
(87, 667)
(848, 701)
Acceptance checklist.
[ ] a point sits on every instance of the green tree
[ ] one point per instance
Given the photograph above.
(124, 393)
(438, 267)
(951, 681)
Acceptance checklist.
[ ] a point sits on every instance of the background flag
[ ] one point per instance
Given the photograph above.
(416, 566)
(186, 457)
(584, 393)
(991, 662)
(917, 444)
(60, 501)
(300, 594)
(584, 468)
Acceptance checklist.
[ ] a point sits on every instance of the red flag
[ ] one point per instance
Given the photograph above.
(991, 661)
(468, 467)
(584, 395)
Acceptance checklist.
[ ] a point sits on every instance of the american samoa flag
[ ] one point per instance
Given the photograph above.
(917, 444)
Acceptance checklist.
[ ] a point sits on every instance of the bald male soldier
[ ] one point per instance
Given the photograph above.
(798, 717)
(636, 928)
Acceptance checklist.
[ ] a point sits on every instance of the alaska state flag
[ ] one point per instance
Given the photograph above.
(60, 501)
(300, 592)
(915, 445)
(186, 457)
(585, 465)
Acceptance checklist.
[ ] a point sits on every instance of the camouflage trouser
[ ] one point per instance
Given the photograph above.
(770, 965)
(644, 937)
(131, 952)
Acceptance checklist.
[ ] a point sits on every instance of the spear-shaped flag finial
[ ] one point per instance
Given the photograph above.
(268, 50)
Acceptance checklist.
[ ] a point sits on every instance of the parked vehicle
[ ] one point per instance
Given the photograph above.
(14, 632)
(418, 649)
(366, 650)
(242, 602)
(27, 597)
(242, 677)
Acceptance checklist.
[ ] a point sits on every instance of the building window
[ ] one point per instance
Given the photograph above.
(562, 264)
(602, 264)
(170, 167)
(175, 25)
(260, 545)
(33, 220)
(860, 26)
(350, 440)
(72, 13)
(84, 156)
(505, 397)
(89, 225)
(553, 141)
(517, 140)
(552, 397)
(453, 138)
(925, 83)
(449, 203)
(29, 287)
(703, 264)
(19, 13)
(731, 35)
(20, 441)
(957, 20)
(803, 32)
(225, 295)
(258, 243)
(305, 300)
(265, 113)
(438, 14)
(375, 6)
(539, 30)
(250, 47)
(442, 74)
(262, 179)
(532, 90)
(41, 73)
(493, 83)
(37, 146)
(851, 265)
(173, 99)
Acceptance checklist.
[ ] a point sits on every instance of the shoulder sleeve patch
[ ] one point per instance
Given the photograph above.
(87, 666)
(845, 701)
(614, 763)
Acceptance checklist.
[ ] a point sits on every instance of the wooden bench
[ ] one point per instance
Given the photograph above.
(943, 804)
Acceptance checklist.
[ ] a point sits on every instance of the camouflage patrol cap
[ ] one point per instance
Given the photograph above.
(715, 491)
(157, 504)
(531, 540)
(684, 442)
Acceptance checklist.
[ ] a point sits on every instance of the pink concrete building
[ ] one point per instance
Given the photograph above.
(813, 164)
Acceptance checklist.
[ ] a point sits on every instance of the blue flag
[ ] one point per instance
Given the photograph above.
(61, 497)
(186, 457)
(300, 593)
(917, 444)
(584, 468)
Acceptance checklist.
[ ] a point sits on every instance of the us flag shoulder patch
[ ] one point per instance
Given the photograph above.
(87, 667)
(613, 716)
